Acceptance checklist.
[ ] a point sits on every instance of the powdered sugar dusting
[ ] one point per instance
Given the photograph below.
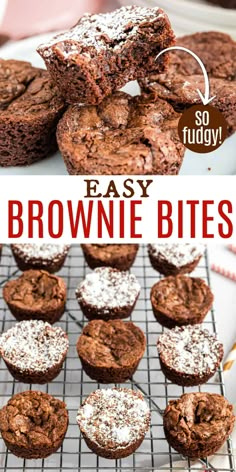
(120, 417)
(41, 251)
(190, 350)
(101, 31)
(108, 288)
(34, 345)
(177, 254)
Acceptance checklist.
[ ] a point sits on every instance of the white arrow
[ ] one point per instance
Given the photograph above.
(205, 98)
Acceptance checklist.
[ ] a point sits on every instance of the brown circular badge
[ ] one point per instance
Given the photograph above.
(202, 128)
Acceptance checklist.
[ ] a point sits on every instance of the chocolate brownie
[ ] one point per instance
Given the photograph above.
(181, 92)
(33, 424)
(110, 351)
(224, 3)
(101, 53)
(0, 251)
(114, 422)
(189, 355)
(36, 294)
(175, 258)
(30, 108)
(108, 293)
(49, 257)
(119, 256)
(123, 135)
(180, 300)
(34, 351)
(198, 424)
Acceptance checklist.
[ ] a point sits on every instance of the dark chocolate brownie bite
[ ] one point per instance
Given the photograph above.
(224, 3)
(175, 258)
(114, 422)
(197, 424)
(123, 135)
(101, 53)
(33, 424)
(189, 355)
(49, 257)
(36, 294)
(108, 293)
(180, 300)
(34, 351)
(30, 108)
(118, 256)
(110, 351)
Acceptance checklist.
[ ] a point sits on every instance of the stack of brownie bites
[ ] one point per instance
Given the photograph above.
(78, 104)
(113, 420)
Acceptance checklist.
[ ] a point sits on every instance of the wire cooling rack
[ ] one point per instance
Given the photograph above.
(73, 385)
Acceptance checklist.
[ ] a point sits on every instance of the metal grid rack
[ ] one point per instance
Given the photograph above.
(73, 385)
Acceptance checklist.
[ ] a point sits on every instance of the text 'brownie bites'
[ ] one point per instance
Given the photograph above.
(114, 422)
(198, 424)
(33, 424)
(108, 293)
(36, 294)
(118, 256)
(110, 351)
(123, 135)
(34, 351)
(180, 300)
(104, 52)
(30, 107)
(189, 355)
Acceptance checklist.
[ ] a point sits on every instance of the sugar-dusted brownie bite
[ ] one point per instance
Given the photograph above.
(110, 351)
(175, 258)
(118, 256)
(197, 424)
(108, 293)
(49, 257)
(114, 422)
(30, 108)
(101, 53)
(180, 300)
(36, 294)
(34, 351)
(33, 424)
(189, 355)
(123, 135)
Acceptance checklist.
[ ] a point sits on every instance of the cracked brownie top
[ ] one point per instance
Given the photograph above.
(33, 420)
(36, 290)
(111, 344)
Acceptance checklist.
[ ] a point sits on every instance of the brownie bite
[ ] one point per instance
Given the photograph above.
(101, 53)
(124, 135)
(108, 293)
(30, 108)
(118, 256)
(189, 355)
(33, 424)
(49, 257)
(175, 258)
(110, 351)
(36, 294)
(114, 422)
(180, 300)
(34, 351)
(224, 3)
(197, 424)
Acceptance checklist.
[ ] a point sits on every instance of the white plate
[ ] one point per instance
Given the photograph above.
(222, 161)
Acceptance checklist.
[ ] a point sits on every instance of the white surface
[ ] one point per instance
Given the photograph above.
(189, 16)
(222, 161)
(225, 308)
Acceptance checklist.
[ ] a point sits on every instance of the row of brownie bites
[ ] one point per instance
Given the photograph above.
(113, 421)
(104, 130)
